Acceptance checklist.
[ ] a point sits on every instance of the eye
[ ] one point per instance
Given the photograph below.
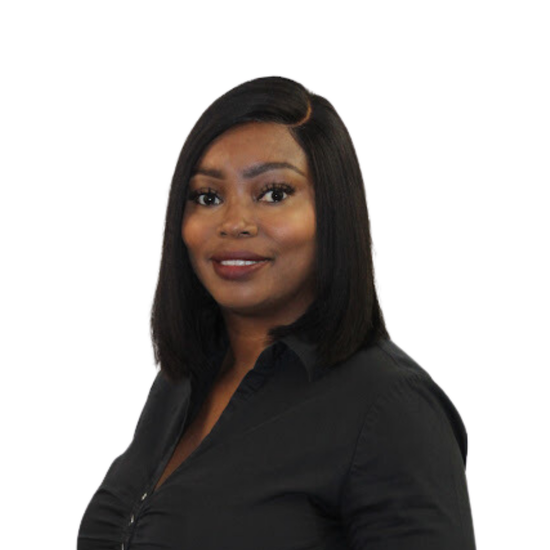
(195, 195)
(277, 189)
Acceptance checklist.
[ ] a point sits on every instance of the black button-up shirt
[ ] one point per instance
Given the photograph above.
(368, 454)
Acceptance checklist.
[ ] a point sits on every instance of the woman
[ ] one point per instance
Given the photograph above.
(283, 416)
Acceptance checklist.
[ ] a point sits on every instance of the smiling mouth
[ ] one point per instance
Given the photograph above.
(241, 262)
(238, 269)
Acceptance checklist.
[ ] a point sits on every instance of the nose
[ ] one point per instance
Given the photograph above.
(237, 218)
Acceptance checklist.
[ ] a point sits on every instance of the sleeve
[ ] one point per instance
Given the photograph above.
(406, 488)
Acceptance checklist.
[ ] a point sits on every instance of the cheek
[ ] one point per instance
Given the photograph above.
(194, 237)
(192, 232)
(296, 232)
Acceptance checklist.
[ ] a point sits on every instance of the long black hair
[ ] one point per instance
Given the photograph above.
(345, 315)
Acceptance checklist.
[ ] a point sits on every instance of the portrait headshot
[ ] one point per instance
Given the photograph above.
(282, 407)
(275, 277)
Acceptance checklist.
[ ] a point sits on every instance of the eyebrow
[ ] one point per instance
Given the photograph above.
(250, 172)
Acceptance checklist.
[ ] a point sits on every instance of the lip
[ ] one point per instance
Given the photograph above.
(238, 255)
(237, 272)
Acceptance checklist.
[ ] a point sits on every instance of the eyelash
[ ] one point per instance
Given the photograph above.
(288, 189)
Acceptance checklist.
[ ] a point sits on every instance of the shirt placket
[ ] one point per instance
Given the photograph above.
(248, 386)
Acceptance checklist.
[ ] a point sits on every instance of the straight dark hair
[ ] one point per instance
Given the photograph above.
(186, 321)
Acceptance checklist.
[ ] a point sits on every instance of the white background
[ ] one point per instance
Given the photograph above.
(448, 107)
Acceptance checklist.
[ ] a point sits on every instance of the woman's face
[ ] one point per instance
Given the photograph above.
(230, 210)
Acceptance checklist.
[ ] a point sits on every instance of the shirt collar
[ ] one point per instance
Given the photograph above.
(304, 350)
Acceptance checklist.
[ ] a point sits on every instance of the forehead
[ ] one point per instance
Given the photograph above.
(253, 141)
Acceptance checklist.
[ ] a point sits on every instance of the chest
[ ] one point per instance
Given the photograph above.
(208, 415)
(262, 481)
(274, 467)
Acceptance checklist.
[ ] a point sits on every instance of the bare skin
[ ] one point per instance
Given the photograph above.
(235, 212)
(209, 413)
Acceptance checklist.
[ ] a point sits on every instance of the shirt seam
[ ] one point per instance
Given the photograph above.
(370, 412)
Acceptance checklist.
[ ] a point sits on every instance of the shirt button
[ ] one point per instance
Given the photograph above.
(143, 496)
(132, 519)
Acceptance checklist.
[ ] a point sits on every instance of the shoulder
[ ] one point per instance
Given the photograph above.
(406, 477)
(383, 380)
(164, 397)
(375, 369)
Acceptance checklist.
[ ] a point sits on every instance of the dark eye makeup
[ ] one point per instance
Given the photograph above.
(275, 187)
